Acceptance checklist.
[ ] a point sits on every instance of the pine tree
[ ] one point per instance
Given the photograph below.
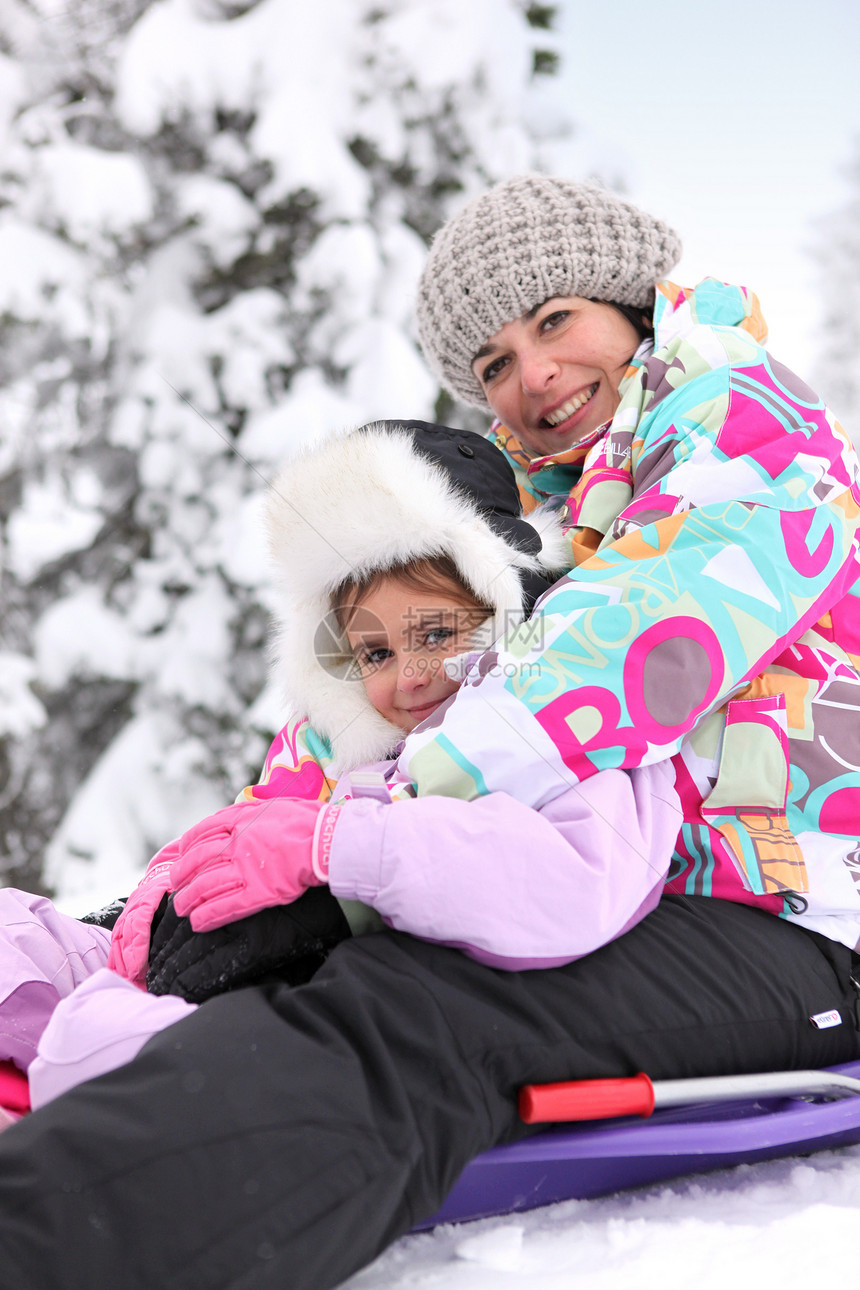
(212, 219)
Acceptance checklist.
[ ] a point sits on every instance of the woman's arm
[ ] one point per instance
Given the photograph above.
(740, 531)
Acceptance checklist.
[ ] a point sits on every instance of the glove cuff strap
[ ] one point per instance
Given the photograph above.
(323, 837)
(157, 871)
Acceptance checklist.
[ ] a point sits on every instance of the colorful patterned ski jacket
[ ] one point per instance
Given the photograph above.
(711, 623)
(712, 618)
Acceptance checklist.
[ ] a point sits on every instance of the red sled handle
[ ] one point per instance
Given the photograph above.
(586, 1099)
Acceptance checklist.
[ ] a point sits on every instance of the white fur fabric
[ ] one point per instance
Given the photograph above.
(362, 502)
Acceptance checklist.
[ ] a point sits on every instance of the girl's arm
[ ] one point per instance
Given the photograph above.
(513, 887)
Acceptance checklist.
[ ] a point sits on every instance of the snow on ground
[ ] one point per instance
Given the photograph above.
(786, 1223)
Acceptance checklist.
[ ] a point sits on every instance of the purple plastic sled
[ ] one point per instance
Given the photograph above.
(581, 1161)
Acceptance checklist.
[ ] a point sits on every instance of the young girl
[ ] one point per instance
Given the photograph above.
(435, 506)
(396, 548)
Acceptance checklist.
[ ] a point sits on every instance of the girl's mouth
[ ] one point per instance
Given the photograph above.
(553, 419)
(421, 710)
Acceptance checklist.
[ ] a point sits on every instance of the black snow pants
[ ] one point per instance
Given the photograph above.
(279, 1139)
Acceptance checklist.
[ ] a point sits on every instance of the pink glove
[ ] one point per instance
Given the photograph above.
(129, 945)
(249, 857)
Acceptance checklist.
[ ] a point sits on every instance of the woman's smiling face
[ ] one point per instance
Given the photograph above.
(552, 375)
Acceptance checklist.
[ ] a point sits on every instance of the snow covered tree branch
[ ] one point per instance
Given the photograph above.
(212, 219)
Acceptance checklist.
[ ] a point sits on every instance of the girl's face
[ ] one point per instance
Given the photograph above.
(400, 637)
(552, 375)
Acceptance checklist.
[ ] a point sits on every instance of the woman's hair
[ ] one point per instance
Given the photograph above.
(640, 319)
(433, 574)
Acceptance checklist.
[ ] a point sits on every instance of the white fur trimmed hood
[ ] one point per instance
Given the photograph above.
(365, 500)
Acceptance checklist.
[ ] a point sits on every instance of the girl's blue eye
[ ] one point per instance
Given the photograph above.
(371, 658)
(438, 636)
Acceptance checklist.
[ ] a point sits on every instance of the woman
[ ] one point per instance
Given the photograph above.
(710, 621)
(720, 502)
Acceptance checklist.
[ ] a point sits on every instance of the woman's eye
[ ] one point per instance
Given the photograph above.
(552, 320)
(491, 371)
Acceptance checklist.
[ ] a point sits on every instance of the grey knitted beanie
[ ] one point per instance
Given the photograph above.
(515, 246)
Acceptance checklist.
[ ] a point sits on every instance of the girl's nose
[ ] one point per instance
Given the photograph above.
(414, 672)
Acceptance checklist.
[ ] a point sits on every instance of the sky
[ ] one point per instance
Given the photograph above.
(734, 120)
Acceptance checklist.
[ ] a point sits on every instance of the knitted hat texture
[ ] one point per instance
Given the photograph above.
(517, 245)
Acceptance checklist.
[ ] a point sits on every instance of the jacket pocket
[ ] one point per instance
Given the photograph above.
(747, 805)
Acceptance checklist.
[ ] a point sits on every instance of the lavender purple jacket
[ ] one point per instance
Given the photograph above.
(510, 886)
